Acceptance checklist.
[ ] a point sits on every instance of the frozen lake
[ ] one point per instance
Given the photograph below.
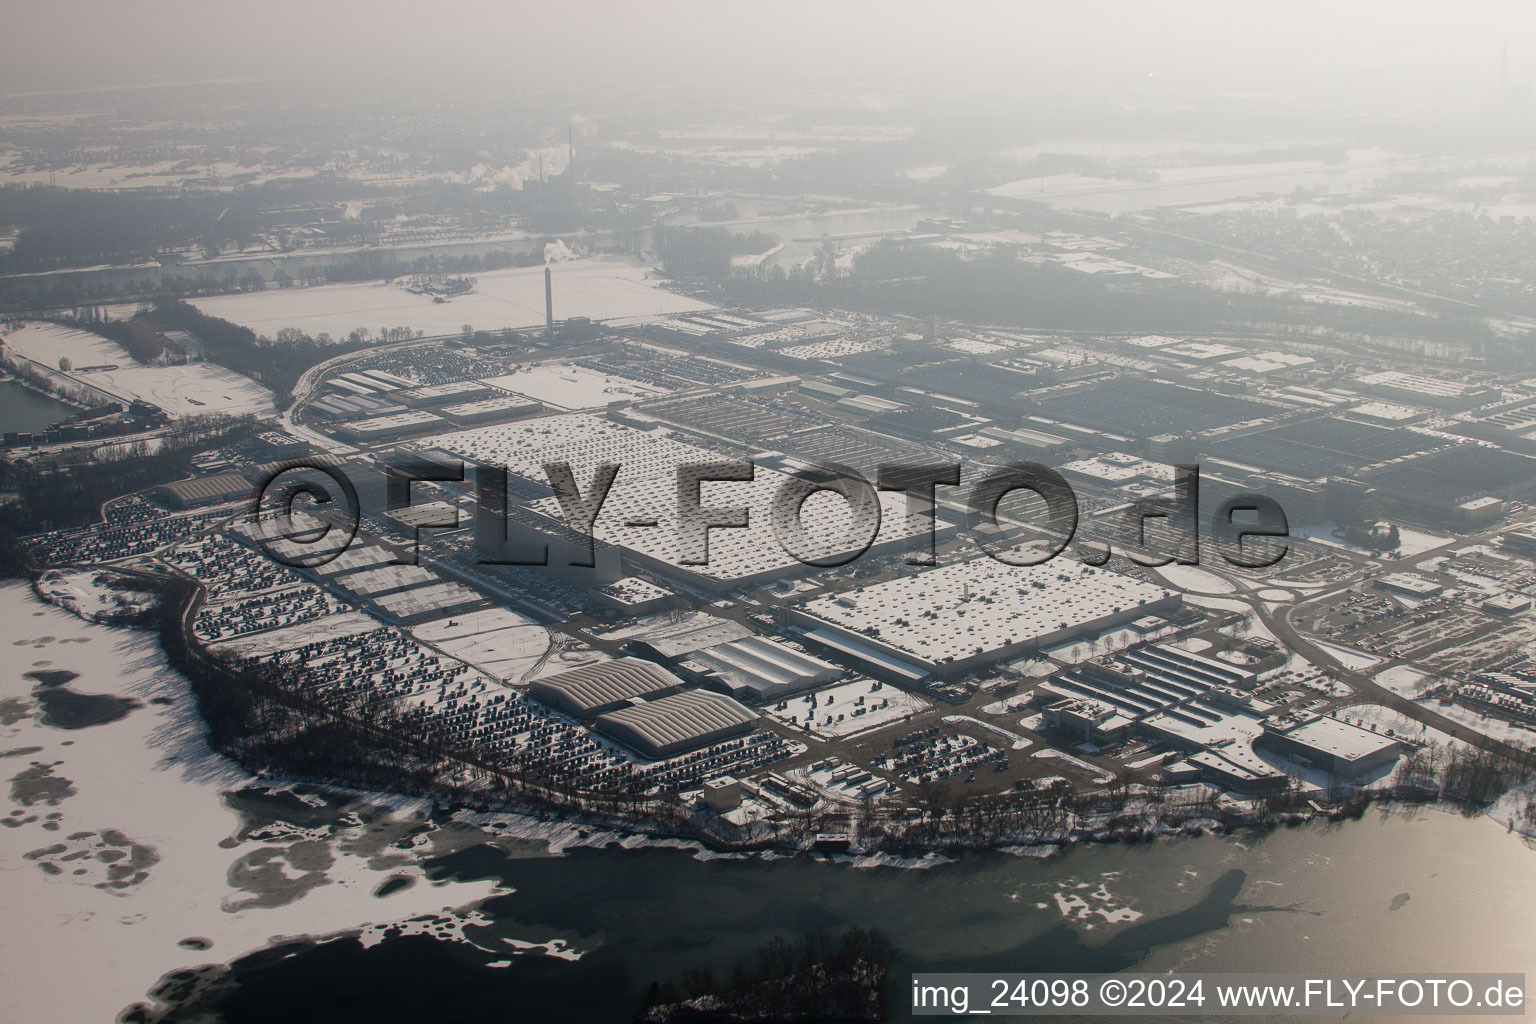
(132, 851)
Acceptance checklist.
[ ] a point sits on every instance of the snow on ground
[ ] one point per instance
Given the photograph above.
(1099, 778)
(602, 289)
(45, 343)
(1076, 652)
(144, 804)
(1488, 725)
(1412, 543)
(187, 390)
(567, 386)
(499, 642)
(1404, 680)
(1225, 604)
(327, 627)
(1348, 656)
(1009, 705)
(837, 711)
(90, 594)
(1393, 723)
(1187, 577)
(1013, 739)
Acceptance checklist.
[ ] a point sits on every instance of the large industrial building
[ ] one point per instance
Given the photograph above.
(677, 723)
(427, 602)
(204, 490)
(606, 686)
(400, 424)
(639, 515)
(1328, 743)
(493, 409)
(759, 668)
(967, 614)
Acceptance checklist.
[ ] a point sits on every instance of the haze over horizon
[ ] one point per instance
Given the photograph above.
(1360, 59)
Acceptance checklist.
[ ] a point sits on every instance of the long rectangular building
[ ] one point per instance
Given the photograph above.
(677, 723)
(956, 617)
(640, 514)
(1329, 744)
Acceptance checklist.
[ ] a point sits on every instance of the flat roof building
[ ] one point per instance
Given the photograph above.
(632, 596)
(639, 514)
(402, 424)
(385, 579)
(1087, 720)
(491, 409)
(1410, 584)
(205, 490)
(722, 794)
(276, 444)
(454, 391)
(427, 602)
(982, 610)
(1328, 743)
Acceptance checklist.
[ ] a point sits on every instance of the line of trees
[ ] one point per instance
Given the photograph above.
(55, 496)
(277, 363)
(705, 252)
(816, 978)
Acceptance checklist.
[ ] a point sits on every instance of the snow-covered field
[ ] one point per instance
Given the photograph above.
(1413, 543)
(46, 343)
(502, 643)
(1404, 680)
(602, 289)
(1393, 723)
(1519, 734)
(188, 390)
(1187, 577)
(91, 595)
(1348, 656)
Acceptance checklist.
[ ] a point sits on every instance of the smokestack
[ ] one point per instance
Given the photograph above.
(549, 302)
(570, 151)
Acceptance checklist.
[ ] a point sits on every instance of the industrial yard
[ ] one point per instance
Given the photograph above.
(573, 513)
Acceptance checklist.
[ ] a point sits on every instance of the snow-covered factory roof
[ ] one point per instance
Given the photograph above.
(967, 610)
(646, 491)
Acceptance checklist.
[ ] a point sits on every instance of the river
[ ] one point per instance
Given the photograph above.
(131, 848)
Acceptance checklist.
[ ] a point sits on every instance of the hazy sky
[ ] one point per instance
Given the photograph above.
(1379, 52)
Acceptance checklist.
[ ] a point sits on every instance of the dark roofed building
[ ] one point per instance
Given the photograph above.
(204, 490)
(678, 723)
